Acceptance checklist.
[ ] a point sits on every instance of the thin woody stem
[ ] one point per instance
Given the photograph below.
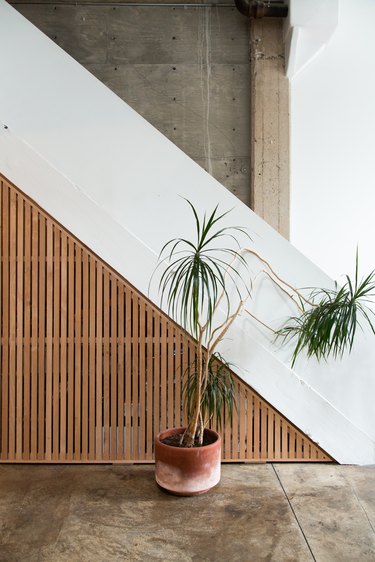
(206, 369)
(226, 325)
(201, 427)
(188, 437)
(296, 291)
(283, 290)
(260, 322)
(241, 303)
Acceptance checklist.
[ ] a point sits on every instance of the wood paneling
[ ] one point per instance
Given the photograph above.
(90, 369)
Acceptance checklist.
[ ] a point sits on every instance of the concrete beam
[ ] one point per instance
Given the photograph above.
(270, 125)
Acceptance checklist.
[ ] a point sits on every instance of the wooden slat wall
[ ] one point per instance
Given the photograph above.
(90, 369)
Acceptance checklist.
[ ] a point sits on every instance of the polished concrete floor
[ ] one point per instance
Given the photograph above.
(281, 512)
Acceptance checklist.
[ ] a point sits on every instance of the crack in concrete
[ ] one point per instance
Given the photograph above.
(359, 503)
(294, 513)
(204, 57)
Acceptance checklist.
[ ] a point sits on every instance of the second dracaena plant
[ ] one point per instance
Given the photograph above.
(326, 327)
(193, 285)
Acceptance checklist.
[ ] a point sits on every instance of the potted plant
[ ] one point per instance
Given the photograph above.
(197, 281)
(194, 285)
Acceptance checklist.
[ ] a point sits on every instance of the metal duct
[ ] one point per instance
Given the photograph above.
(262, 9)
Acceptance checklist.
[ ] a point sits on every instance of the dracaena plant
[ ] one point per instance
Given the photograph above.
(193, 285)
(329, 318)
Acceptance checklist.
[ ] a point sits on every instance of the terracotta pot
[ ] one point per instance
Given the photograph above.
(187, 471)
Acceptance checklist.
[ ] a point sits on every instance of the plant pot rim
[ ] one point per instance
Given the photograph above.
(179, 430)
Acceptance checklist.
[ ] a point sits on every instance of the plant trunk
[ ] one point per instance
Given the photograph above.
(195, 426)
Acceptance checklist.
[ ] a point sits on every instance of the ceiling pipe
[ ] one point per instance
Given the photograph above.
(262, 9)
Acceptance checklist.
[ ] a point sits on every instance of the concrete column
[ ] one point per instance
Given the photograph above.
(270, 125)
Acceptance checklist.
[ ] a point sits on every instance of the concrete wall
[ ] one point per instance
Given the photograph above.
(184, 68)
(332, 136)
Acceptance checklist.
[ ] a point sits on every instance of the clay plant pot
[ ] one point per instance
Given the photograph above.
(184, 471)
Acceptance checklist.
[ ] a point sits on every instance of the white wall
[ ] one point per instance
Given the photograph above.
(114, 181)
(332, 138)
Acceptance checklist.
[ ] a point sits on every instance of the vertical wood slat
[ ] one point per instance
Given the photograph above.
(63, 345)
(242, 415)
(34, 331)
(256, 428)
(135, 375)
(163, 353)
(12, 323)
(85, 357)
(70, 366)
(77, 351)
(263, 453)
(27, 333)
(99, 363)
(49, 341)
(128, 372)
(121, 373)
(106, 364)
(142, 389)
(156, 372)
(235, 435)
(90, 369)
(170, 374)
(277, 437)
(56, 345)
(92, 360)
(227, 437)
(285, 441)
(19, 329)
(41, 336)
(113, 369)
(249, 425)
(149, 384)
(180, 369)
(5, 305)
